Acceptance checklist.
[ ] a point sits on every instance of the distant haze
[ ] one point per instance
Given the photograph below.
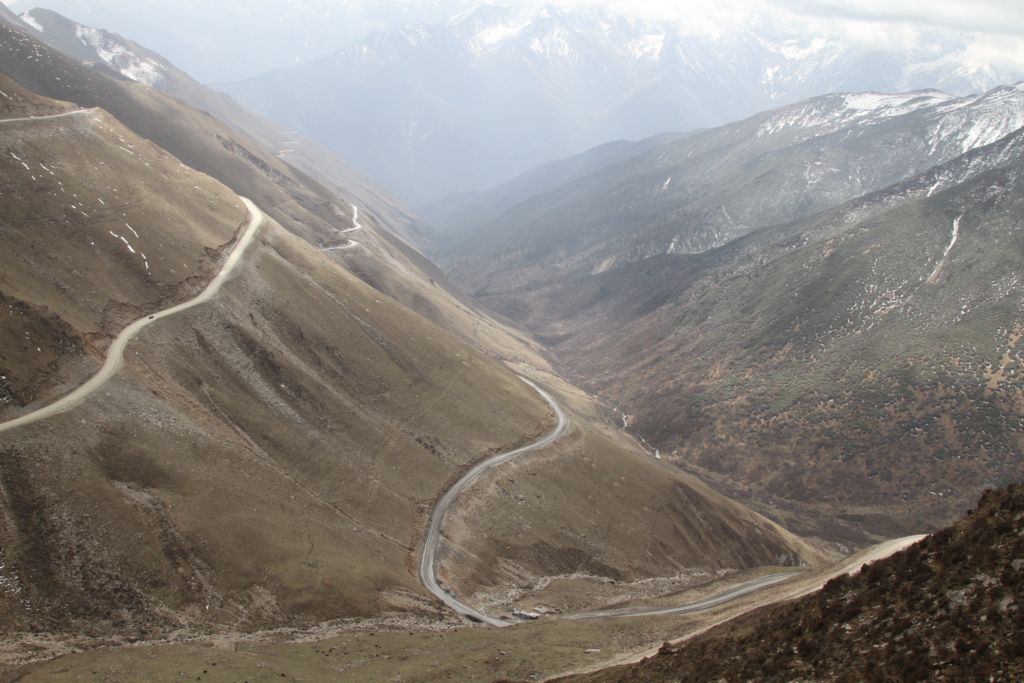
(432, 98)
(234, 39)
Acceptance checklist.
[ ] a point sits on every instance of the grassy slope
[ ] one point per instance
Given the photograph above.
(69, 284)
(113, 549)
(814, 368)
(297, 202)
(268, 459)
(264, 455)
(573, 527)
(323, 166)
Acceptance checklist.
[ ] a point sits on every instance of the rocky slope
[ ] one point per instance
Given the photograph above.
(946, 609)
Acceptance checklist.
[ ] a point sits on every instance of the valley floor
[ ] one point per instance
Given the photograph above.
(400, 647)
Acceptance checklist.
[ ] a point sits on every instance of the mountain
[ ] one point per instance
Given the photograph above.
(846, 371)
(464, 105)
(463, 213)
(300, 203)
(127, 59)
(231, 39)
(269, 458)
(230, 429)
(700, 192)
(946, 609)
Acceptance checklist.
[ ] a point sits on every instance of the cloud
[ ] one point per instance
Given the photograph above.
(986, 16)
(1005, 17)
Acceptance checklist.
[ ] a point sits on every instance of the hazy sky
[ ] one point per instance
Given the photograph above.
(998, 16)
(997, 26)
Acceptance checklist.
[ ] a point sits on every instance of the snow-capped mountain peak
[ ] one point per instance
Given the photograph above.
(953, 125)
(557, 81)
(824, 115)
(975, 122)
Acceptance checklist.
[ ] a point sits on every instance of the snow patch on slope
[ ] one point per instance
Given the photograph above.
(894, 105)
(31, 21)
(120, 58)
(980, 121)
(824, 116)
(554, 44)
(492, 37)
(647, 47)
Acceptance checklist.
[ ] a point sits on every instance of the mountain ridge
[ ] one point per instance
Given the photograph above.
(555, 83)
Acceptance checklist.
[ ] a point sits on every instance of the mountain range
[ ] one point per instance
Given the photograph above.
(495, 92)
(230, 39)
(248, 430)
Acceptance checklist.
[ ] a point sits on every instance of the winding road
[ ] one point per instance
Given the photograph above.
(115, 354)
(429, 561)
(356, 225)
(850, 565)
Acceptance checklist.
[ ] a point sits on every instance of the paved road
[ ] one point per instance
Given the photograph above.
(851, 565)
(737, 591)
(115, 354)
(428, 562)
(76, 112)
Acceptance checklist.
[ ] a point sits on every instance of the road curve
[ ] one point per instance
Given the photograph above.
(850, 565)
(115, 354)
(733, 592)
(428, 561)
(356, 225)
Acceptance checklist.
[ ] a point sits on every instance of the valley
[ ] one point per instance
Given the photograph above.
(815, 365)
(712, 399)
(199, 490)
